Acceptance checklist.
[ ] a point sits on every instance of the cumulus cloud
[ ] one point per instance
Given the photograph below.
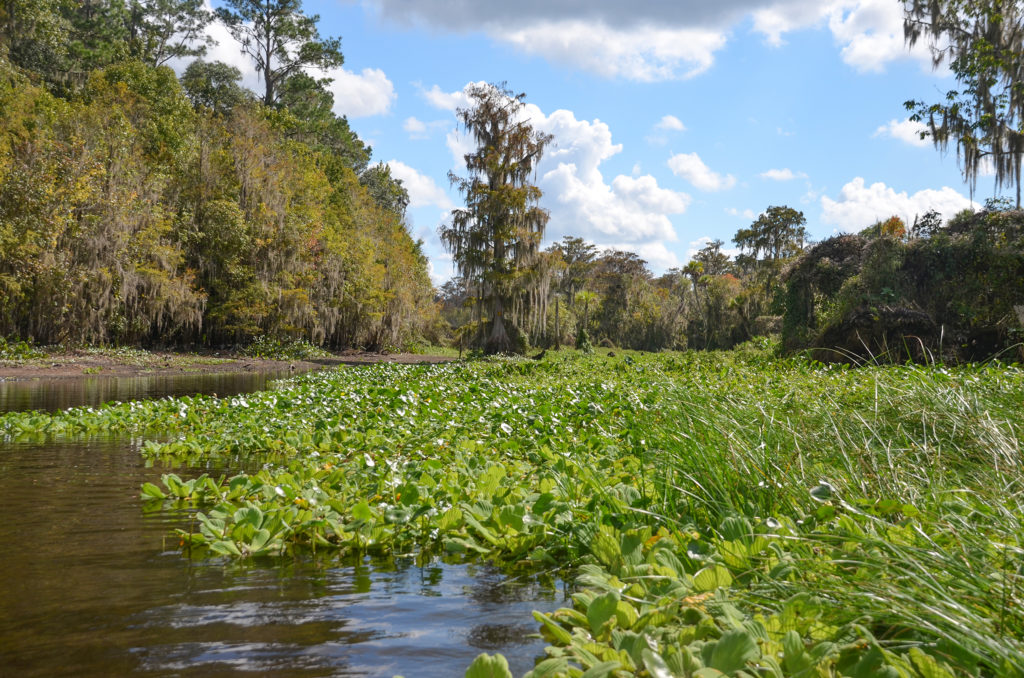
(446, 101)
(860, 205)
(651, 40)
(631, 209)
(414, 126)
(689, 166)
(362, 94)
(784, 174)
(423, 190)
(671, 123)
(646, 54)
(907, 131)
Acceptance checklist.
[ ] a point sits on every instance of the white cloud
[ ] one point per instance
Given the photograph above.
(414, 126)
(906, 130)
(746, 214)
(689, 166)
(775, 20)
(446, 101)
(423, 190)
(860, 205)
(650, 40)
(646, 54)
(784, 174)
(359, 95)
(458, 145)
(628, 209)
(671, 123)
(418, 129)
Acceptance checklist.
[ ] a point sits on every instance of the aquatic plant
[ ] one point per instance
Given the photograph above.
(723, 513)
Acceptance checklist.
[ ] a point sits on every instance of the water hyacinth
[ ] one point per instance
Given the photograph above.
(722, 514)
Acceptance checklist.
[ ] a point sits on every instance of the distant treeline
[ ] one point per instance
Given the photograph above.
(139, 209)
(930, 291)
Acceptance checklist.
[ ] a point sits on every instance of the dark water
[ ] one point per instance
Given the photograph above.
(56, 394)
(92, 585)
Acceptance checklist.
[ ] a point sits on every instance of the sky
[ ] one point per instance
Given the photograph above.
(674, 121)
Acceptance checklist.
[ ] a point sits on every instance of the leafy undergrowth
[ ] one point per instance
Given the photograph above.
(724, 514)
(270, 348)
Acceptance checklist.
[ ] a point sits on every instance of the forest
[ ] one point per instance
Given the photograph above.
(142, 208)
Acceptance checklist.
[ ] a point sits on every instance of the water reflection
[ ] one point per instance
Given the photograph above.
(92, 589)
(55, 394)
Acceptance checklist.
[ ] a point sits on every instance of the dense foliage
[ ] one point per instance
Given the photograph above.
(137, 209)
(723, 514)
(573, 290)
(935, 292)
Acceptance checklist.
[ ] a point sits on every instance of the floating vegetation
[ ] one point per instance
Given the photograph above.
(723, 514)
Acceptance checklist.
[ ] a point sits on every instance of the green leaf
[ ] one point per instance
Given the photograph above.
(450, 519)
(711, 578)
(559, 635)
(733, 650)
(601, 609)
(602, 670)
(655, 664)
(487, 666)
(928, 666)
(823, 491)
(549, 668)
(259, 540)
(361, 511)
(151, 491)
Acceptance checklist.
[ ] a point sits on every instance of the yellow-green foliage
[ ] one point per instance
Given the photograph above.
(126, 216)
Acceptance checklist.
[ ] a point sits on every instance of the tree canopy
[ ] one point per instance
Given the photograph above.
(280, 39)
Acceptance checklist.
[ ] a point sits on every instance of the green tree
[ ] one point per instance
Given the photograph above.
(982, 43)
(386, 191)
(714, 261)
(161, 30)
(778, 233)
(312, 105)
(213, 85)
(33, 33)
(495, 237)
(280, 39)
(578, 256)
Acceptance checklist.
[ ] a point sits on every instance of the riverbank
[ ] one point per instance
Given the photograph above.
(82, 363)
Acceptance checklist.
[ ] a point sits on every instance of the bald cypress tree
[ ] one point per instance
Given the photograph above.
(494, 239)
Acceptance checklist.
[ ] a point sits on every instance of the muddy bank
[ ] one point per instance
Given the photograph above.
(81, 364)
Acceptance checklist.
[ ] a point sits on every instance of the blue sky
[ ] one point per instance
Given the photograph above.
(674, 122)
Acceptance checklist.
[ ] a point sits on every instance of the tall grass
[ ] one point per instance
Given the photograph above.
(898, 490)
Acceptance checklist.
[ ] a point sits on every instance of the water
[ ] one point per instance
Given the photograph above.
(53, 394)
(95, 586)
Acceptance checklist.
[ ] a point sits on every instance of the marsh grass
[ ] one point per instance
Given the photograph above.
(725, 513)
